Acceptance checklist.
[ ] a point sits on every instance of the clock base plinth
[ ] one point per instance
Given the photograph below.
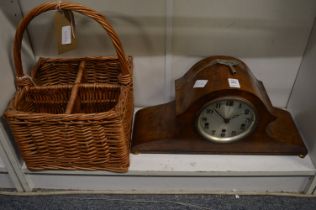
(157, 129)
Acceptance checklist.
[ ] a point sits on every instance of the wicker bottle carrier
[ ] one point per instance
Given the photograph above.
(74, 113)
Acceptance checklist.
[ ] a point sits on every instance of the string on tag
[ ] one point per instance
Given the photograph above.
(58, 5)
(73, 24)
(65, 31)
(70, 16)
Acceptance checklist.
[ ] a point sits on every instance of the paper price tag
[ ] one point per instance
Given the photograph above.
(233, 83)
(66, 35)
(200, 83)
(65, 31)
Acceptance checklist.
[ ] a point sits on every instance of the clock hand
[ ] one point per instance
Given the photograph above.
(236, 115)
(219, 114)
(225, 119)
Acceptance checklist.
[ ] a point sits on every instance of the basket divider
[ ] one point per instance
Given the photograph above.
(74, 100)
(79, 77)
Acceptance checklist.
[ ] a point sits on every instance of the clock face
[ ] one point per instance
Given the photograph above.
(226, 119)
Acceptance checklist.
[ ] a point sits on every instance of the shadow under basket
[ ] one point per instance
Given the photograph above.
(88, 133)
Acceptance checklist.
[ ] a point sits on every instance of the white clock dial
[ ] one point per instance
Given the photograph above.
(227, 119)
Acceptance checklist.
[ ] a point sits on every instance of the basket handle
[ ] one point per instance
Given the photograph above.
(22, 79)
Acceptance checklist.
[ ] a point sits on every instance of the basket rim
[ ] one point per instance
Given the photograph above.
(65, 59)
(41, 60)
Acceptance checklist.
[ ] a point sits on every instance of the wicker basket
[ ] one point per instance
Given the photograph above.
(73, 113)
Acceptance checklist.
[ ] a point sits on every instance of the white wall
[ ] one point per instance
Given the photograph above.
(302, 102)
(270, 35)
(9, 17)
(7, 86)
(141, 26)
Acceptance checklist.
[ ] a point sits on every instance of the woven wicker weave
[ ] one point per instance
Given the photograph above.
(74, 113)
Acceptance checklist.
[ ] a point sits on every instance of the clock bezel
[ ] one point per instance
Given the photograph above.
(238, 137)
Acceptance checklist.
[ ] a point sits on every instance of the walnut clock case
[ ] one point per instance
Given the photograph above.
(220, 108)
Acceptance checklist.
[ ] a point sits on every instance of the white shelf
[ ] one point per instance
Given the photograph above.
(159, 173)
(206, 165)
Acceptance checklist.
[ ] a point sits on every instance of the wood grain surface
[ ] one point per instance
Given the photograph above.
(171, 127)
